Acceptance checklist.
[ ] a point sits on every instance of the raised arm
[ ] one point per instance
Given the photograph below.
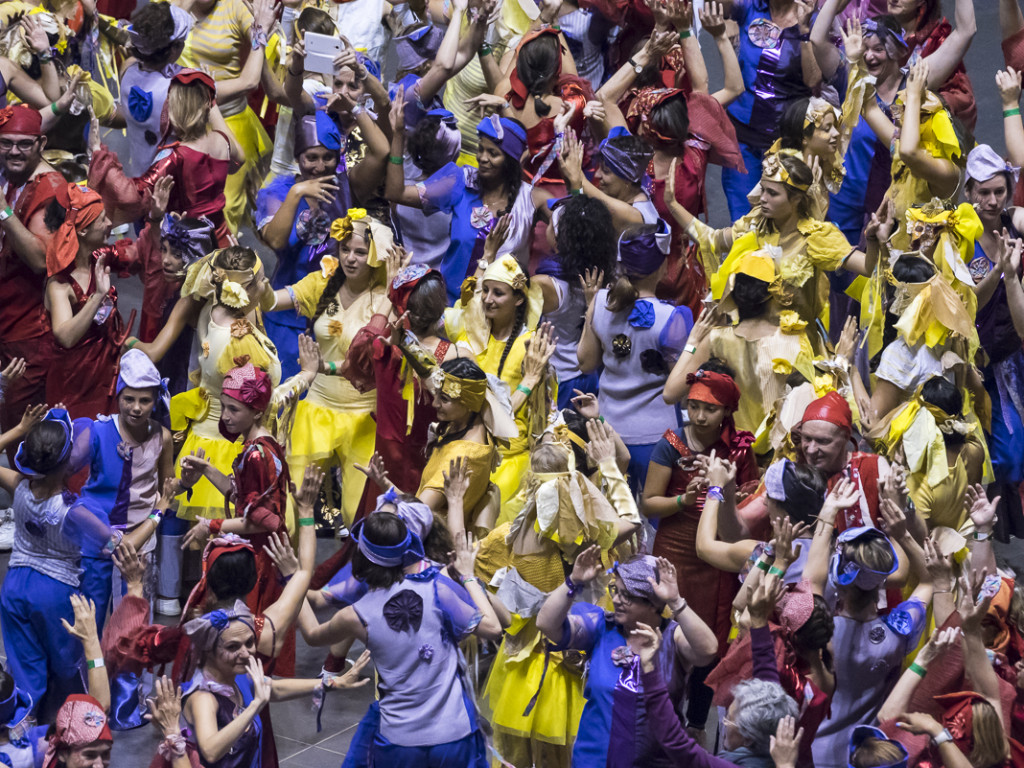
(828, 57)
(712, 19)
(554, 612)
(1008, 82)
(899, 699)
(695, 353)
(395, 189)
(844, 494)
(941, 174)
(69, 326)
(725, 556)
(85, 630)
(977, 666)
(948, 56)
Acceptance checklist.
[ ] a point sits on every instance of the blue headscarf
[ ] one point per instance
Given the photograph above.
(508, 134)
(60, 416)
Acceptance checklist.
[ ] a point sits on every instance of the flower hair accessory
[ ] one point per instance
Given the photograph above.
(470, 392)
(233, 295)
(773, 170)
(205, 631)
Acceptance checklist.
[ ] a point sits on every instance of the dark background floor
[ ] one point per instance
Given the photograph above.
(294, 722)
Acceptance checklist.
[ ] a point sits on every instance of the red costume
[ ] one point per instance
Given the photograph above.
(956, 91)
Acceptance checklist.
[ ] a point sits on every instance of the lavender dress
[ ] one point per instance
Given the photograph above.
(244, 753)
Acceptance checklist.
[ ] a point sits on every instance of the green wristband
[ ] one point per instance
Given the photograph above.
(1011, 112)
(305, 522)
(132, 343)
(774, 571)
(395, 160)
(524, 389)
(332, 367)
(685, 34)
(95, 663)
(759, 563)
(53, 108)
(917, 669)
(576, 192)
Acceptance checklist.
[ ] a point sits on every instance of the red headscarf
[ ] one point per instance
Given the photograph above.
(518, 92)
(83, 207)
(959, 717)
(221, 545)
(714, 388)
(80, 721)
(248, 385)
(405, 283)
(21, 120)
(831, 408)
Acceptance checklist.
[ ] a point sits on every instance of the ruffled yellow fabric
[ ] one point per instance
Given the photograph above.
(206, 500)
(256, 144)
(937, 137)
(523, 670)
(935, 312)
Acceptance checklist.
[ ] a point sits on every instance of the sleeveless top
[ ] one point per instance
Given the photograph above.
(39, 539)
(246, 752)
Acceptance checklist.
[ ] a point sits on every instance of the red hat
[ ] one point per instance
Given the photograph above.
(248, 385)
(83, 206)
(80, 721)
(714, 388)
(221, 545)
(958, 717)
(187, 76)
(21, 120)
(832, 408)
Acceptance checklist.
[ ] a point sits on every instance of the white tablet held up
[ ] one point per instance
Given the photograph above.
(321, 50)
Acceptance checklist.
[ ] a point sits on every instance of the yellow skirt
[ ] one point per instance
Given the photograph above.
(333, 438)
(207, 500)
(518, 675)
(253, 138)
(507, 477)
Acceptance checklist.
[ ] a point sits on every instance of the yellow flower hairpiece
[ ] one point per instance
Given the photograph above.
(342, 228)
(233, 295)
(772, 169)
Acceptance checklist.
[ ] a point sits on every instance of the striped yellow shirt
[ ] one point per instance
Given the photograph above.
(216, 44)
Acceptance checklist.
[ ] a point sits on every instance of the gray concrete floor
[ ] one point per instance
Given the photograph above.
(294, 722)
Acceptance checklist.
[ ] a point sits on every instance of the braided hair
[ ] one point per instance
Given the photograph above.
(517, 328)
(334, 283)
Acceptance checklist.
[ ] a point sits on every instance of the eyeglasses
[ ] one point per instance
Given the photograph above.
(624, 596)
(24, 145)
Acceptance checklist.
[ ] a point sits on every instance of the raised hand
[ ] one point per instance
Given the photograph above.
(761, 601)
(101, 275)
(85, 619)
(587, 565)
(602, 441)
(496, 238)
(586, 404)
(395, 260)
(846, 349)
(376, 471)
(322, 188)
(784, 746)
(456, 479)
(165, 706)
(666, 586)
(128, 562)
(591, 281)
(1008, 82)
(279, 548)
(940, 642)
(982, 511)
(262, 686)
(917, 80)
(161, 198)
(464, 556)
(570, 160)
(309, 491)
(594, 110)
(645, 641)
(853, 39)
(538, 353)
(786, 533)
(32, 416)
(397, 114)
(893, 520)
(712, 18)
(844, 495)
(940, 567)
(311, 357)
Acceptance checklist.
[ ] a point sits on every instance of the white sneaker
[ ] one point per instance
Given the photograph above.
(168, 606)
(6, 530)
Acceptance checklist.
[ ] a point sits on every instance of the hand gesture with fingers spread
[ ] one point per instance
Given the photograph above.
(456, 480)
(376, 471)
(280, 550)
(350, 679)
(85, 619)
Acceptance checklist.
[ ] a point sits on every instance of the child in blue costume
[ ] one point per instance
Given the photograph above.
(51, 529)
(130, 455)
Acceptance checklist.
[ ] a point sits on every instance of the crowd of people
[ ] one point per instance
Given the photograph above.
(703, 497)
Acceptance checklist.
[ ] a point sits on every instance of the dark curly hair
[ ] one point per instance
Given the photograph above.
(425, 150)
(750, 295)
(153, 22)
(585, 237)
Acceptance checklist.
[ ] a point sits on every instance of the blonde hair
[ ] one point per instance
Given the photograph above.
(871, 552)
(548, 457)
(991, 747)
(874, 752)
(188, 109)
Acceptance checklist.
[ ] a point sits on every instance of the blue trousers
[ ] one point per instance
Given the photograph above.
(42, 657)
(467, 752)
(639, 458)
(738, 185)
(97, 584)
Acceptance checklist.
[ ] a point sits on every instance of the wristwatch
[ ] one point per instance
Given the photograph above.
(942, 738)
(636, 67)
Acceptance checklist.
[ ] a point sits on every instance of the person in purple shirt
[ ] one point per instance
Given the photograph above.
(615, 728)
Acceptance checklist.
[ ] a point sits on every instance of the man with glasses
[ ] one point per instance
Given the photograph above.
(27, 186)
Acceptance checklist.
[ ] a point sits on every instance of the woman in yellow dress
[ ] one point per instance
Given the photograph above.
(228, 41)
(334, 424)
(497, 322)
(803, 248)
(216, 299)
(534, 698)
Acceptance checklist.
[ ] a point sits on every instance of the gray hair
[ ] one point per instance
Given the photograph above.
(760, 705)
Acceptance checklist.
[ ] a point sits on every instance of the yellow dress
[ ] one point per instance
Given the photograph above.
(480, 458)
(515, 459)
(214, 45)
(334, 424)
(198, 411)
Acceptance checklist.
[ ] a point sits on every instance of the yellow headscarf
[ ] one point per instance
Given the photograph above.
(505, 269)
(378, 236)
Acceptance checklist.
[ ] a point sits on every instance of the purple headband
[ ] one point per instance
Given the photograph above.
(643, 254)
(191, 244)
(406, 552)
(845, 572)
(631, 166)
(316, 130)
(416, 515)
(418, 46)
(204, 631)
(872, 27)
(507, 134)
(60, 416)
(448, 134)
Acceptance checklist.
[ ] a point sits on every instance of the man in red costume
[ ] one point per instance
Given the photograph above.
(28, 185)
(823, 441)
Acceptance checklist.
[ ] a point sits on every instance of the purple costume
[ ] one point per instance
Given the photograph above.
(143, 98)
(772, 74)
(246, 752)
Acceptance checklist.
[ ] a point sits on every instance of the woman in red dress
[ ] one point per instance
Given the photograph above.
(82, 304)
(199, 162)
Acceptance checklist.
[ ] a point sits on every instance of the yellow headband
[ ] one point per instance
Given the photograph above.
(470, 392)
(772, 169)
(817, 109)
(506, 270)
